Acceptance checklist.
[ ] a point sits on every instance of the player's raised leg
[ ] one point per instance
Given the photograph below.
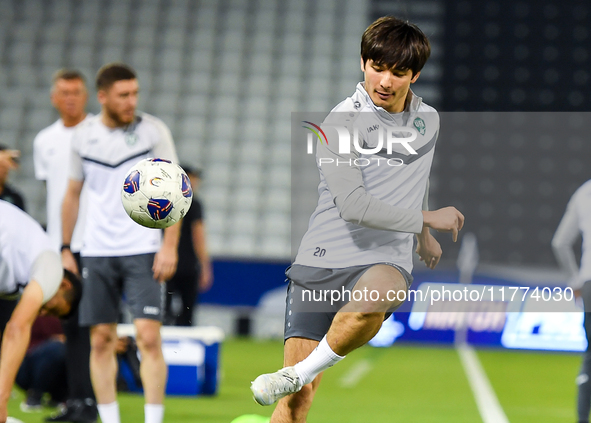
(359, 321)
(353, 326)
(103, 370)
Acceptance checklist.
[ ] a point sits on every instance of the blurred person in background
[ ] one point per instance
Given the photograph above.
(194, 273)
(51, 153)
(118, 255)
(9, 160)
(577, 221)
(44, 368)
(32, 282)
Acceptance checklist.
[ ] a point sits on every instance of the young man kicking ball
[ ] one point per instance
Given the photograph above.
(372, 203)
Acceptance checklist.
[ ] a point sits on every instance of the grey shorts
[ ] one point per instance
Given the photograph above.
(312, 319)
(107, 279)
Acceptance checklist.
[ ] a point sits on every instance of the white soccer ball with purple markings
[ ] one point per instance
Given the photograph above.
(156, 193)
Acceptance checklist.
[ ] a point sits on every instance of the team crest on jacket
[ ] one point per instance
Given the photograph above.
(131, 138)
(420, 125)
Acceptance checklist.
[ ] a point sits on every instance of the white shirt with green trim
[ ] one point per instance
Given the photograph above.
(26, 253)
(102, 156)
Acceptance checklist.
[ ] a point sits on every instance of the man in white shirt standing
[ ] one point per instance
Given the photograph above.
(52, 145)
(119, 255)
(577, 221)
(51, 151)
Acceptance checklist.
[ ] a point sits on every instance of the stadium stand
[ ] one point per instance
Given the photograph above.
(514, 57)
(224, 75)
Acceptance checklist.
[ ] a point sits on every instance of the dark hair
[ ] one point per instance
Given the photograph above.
(73, 295)
(394, 43)
(111, 73)
(68, 75)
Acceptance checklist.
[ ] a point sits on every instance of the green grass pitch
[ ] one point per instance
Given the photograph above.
(404, 383)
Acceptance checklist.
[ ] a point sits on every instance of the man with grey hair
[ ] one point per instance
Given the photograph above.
(51, 159)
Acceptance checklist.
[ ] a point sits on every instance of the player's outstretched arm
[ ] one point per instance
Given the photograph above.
(16, 340)
(447, 219)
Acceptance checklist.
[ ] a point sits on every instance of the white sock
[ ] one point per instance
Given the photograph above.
(154, 413)
(319, 360)
(109, 412)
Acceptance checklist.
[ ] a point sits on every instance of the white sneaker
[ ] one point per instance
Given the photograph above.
(30, 407)
(270, 387)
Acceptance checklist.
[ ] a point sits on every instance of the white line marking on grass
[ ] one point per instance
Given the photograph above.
(356, 373)
(488, 404)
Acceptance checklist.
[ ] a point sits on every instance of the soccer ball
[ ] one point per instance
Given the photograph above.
(13, 420)
(156, 193)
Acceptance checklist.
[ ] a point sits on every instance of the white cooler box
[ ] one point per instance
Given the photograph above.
(192, 355)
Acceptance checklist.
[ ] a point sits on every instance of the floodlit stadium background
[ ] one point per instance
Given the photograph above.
(226, 75)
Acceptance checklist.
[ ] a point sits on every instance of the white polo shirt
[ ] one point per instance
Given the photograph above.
(102, 156)
(51, 154)
(26, 253)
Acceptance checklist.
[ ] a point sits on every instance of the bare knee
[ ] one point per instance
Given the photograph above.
(148, 341)
(360, 318)
(103, 339)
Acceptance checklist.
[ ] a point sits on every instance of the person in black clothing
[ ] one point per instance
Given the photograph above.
(8, 162)
(194, 273)
(44, 366)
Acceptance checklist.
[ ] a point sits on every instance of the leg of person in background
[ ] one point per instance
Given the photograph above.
(153, 370)
(103, 370)
(24, 375)
(583, 381)
(24, 380)
(43, 371)
(81, 403)
(49, 370)
(187, 287)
